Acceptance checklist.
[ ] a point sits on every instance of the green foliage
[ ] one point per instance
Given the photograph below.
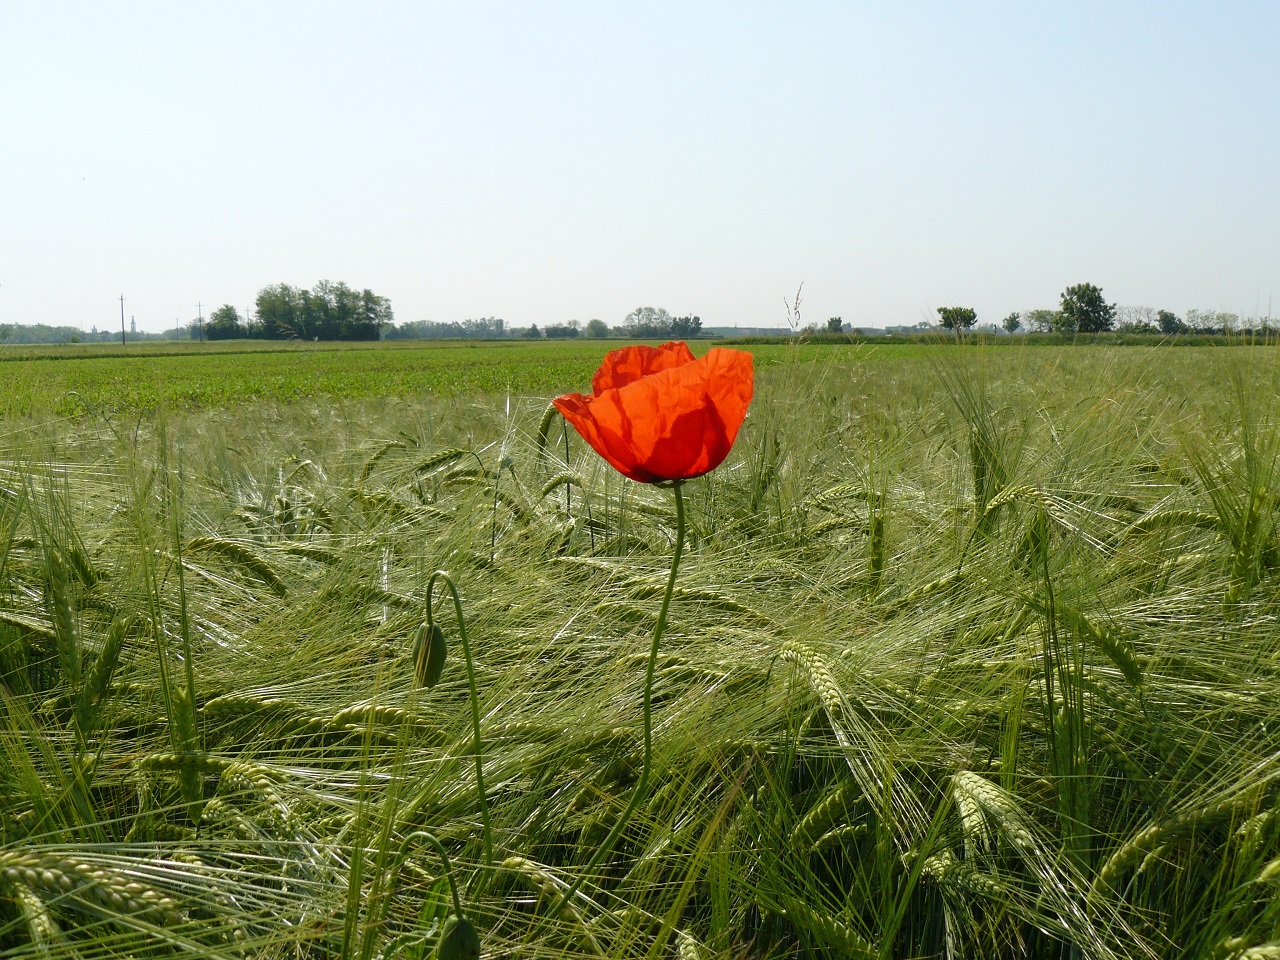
(329, 311)
(1169, 322)
(1084, 310)
(648, 323)
(686, 328)
(1042, 321)
(597, 329)
(484, 328)
(12, 334)
(562, 331)
(957, 318)
(225, 324)
(1012, 322)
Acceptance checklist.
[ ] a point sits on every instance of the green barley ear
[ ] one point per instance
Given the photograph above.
(97, 679)
(544, 428)
(185, 737)
(64, 626)
(875, 551)
(1032, 551)
(460, 940)
(430, 650)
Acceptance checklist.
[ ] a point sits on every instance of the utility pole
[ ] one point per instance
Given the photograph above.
(199, 322)
(122, 319)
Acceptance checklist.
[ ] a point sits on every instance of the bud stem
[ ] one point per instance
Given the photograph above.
(475, 702)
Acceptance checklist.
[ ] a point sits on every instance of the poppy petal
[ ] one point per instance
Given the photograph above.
(629, 364)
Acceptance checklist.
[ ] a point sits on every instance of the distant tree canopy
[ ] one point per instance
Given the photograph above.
(957, 318)
(686, 327)
(647, 323)
(562, 331)
(485, 328)
(597, 329)
(224, 324)
(1012, 322)
(1213, 321)
(1085, 311)
(328, 311)
(1041, 321)
(31, 333)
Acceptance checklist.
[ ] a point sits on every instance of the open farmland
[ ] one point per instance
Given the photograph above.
(104, 379)
(972, 653)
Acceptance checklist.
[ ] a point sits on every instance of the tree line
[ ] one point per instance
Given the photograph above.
(1083, 309)
(642, 323)
(328, 311)
(336, 311)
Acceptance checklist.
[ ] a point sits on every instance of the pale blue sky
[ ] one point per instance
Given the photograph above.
(549, 161)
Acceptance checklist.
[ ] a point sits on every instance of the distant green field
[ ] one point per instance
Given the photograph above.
(216, 375)
(79, 379)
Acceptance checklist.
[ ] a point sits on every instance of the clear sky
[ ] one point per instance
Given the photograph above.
(545, 161)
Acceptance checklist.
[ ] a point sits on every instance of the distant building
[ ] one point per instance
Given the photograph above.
(133, 325)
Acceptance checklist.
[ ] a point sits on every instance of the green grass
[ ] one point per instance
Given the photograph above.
(971, 654)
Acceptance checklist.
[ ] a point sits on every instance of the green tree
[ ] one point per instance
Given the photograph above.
(224, 324)
(328, 311)
(334, 311)
(647, 323)
(280, 311)
(376, 312)
(957, 318)
(484, 328)
(686, 328)
(834, 325)
(597, 329)
(1085, 311)
(1041, 321)
(1169, 322)
(533, 333)
(562, 331)
(1012, 322)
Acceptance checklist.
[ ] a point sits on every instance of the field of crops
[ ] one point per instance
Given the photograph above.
(110, 380)
(972, 653)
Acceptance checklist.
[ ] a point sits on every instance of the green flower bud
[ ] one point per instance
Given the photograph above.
(429, 654)
(459, 940)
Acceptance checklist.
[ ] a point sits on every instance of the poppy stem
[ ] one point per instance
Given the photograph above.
(643, 783)
(475, 701)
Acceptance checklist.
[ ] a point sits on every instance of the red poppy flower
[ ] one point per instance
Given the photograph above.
(656, 413)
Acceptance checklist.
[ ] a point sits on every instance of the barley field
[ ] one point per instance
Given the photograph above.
(973, 652)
